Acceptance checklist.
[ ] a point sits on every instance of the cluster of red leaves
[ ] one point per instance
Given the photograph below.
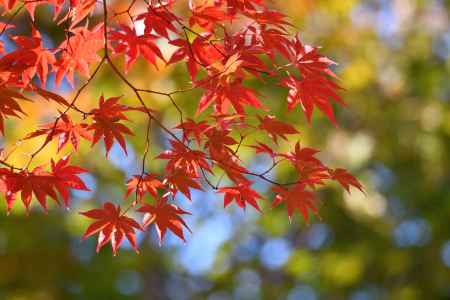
(41, 183)
(220, 61)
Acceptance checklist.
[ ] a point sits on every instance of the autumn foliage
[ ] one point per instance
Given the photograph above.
(221, 45)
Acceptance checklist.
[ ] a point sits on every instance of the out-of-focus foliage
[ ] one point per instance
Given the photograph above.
(392, 243)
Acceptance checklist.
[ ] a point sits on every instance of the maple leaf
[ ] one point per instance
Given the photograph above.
(112, 226)
(180, 181)
(41, 184)
(165, 216)
(159, 19)
(302, 155)
(309, 61)
(206, 15)
(66, 178)
(65, 131)
(275, 128)
(224, 96)
(242, 194)
(313, 91)
(263, 148)
(245, 47)
(275, 40)
(311, 170)
(49, 96)
(243, 5)
(80, 51)
(181, 157)
(345, 179)
(106, 123)
(42, 58)
(127, 41)
(268, 17)
(80, 9)
(9, 105)
(296, 198)
(198, 52)
(143, 184)
(218, 142)
(192, 128)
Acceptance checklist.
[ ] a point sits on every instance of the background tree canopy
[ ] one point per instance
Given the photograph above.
(392, 243)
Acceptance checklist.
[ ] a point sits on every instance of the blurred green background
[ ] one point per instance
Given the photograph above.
(393, 243)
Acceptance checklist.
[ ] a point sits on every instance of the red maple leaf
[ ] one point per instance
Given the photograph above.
(66, 178)
(42, 60)
(207, 16)
(296, 198)
(313, 91)
(9, 105)
(80, 9)
(41, 184)
(112, 226)
(65, 131)
(125, 40)
(263, 148)
(199, 52)
(143, 184)
(180, 181)
(276, 128)
(310, 169)
(309, 61)
(159, 19)
(242, 194)
(182, 157)
(192, 128)
(165, 216)
(106, 123)
(345, 179)
(80, 51)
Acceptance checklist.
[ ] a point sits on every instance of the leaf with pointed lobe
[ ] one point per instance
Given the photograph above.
(80, 51)
(302, 155)
(309, 61)
(126, 41)
(165, 216)
(268, 17)
(345, 179)
(159, 19)
(65, 131)
(275, 128)
(38, 59)
(67, 177)
(199, 52)
(141, 185)
(225, 96)
(241, 194)
(180, 181)
(9, 107)
(42, 184)
(194, 129)
(106, 123)
(296, 198)
(207, 16)
(181, 157)
(112, 226)
(313, 91)
(264, 149)
(80, 9)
